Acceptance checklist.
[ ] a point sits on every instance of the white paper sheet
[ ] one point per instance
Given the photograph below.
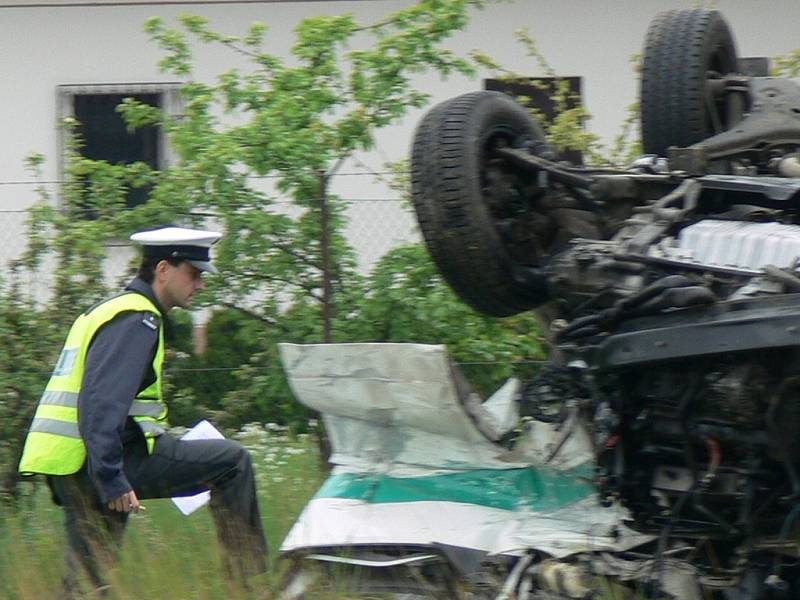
(202, 431)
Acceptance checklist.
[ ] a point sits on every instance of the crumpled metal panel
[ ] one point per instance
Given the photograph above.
(412, 466)
(584, 526)
(389, 407)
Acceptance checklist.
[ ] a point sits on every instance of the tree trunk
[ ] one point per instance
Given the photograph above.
(325, 256)
(327, 299)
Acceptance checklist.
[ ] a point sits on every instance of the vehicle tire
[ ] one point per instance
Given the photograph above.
(468, 201)
(684, 52)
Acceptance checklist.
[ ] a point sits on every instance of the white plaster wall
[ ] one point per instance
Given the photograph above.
(43, 47)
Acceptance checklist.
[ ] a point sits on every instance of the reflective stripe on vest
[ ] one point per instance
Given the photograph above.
(53, 398)
(55, 426)
(54, 445)
(139, 408)
(152, 427)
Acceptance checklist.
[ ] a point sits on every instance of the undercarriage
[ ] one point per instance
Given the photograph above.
(669, 290)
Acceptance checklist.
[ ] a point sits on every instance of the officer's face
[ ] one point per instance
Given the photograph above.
(180, 283)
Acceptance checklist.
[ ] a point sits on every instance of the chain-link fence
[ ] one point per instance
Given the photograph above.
(375, 223)
(226, 380)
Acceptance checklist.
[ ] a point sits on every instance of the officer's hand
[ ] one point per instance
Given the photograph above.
(128, 502)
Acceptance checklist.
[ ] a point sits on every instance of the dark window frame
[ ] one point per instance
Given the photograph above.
(170, 101)
(538, 93)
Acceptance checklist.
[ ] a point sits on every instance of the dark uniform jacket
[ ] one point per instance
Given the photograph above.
(119, 365)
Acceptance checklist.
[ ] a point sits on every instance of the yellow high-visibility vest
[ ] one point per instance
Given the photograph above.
(54, 445)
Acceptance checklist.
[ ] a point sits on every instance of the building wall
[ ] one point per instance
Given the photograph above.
(49, 43)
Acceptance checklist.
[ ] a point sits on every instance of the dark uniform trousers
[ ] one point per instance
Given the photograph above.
(176, 468)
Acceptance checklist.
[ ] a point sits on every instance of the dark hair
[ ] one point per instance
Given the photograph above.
(147, 268)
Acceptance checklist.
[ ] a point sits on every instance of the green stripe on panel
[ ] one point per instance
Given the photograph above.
(509, 489)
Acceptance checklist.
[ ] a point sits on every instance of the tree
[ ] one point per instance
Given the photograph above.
(567, 129)
(294, 121)
(27, 343)
(403, 300)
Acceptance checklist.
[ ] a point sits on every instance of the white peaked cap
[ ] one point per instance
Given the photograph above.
(179, 242)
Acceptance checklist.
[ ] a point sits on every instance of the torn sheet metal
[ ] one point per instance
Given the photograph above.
(414, 463)
(388, 407)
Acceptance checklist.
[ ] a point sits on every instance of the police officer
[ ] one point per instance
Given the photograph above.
(99, 431)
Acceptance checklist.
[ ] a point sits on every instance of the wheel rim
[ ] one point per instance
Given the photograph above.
(509, 196)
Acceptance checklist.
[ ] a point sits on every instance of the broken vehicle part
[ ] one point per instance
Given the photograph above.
(657, 454)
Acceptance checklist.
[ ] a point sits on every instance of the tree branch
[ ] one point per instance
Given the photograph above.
(240, 50)
(303, 259)
(255, 316)
(309, 289)
(339, 162)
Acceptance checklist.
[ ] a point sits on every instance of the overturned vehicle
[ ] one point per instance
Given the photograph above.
(659, 454)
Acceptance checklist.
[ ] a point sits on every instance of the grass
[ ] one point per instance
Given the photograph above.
(165, 555)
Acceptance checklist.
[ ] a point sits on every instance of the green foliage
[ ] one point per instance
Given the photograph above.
(295, 123)
(29, 344)
(166, 554)
(200, 382)
(256, 151)
(408, 301)
(787, 65)
(292, 120)
(567, 130)
(403, 300)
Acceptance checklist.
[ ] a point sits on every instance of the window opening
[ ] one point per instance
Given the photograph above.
(106, 136)
(538, 93)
